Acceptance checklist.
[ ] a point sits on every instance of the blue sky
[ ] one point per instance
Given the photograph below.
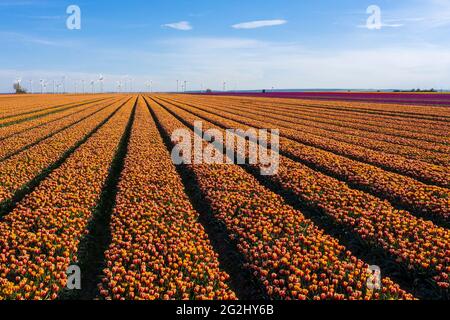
(249, 44)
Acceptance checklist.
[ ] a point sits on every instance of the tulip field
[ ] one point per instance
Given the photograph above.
(89, 181)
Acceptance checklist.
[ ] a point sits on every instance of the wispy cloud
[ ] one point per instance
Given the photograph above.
(392, 25)
(136, 26)
(182, 25)
(259, 24)
(401, 22)
(211, 43)
(423, 15)
(407, 20)
(25, 38)
(47, 17)
(384, 25)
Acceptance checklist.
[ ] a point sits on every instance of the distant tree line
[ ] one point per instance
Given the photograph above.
(19, 89)
(418, 90)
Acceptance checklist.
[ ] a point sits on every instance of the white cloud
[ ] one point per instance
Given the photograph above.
(258, 24)
(205, 43)
(47, 17)
(25, 38)
(384, 25)
(408, 20)
(182, 25)
(392, 25)
(422, 14)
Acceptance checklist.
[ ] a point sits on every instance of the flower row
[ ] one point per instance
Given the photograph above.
(19, 170)
(288, 255)
(159, 250)
(417, 197)
(426, 130)
(419, 245)
(15, 105)
(371, 108)
(39, 240)
(18, 128)
(410, 148)
(42, 112)
(418, 170)
(13, 143)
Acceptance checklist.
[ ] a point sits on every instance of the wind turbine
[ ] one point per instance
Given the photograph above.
(16, 84)
(42, 85)
(64, 83)
(18, 81)
(92, 86)
(100, 79)
(125, 83)
(31, 86)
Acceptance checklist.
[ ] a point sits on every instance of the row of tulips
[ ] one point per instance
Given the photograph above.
(159, 250)
(40, 238)
(421, 171)
(410, 148)
(19, 128)
(418, 245)
(18, 170)
(287, 253)
(419, 198)
(350, 138)
(425, 130)
(19, 141)
(16, 105)
(422, 130)
(370, 108)
(10, 103)
(43, 112)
